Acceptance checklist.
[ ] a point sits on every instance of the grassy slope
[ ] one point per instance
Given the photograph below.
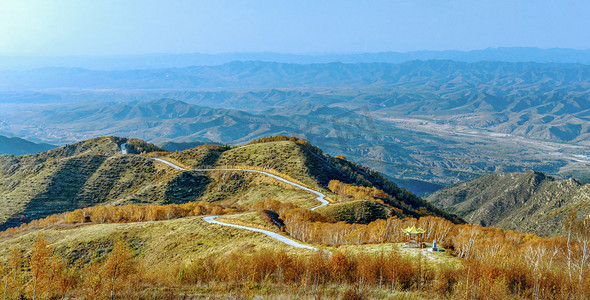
(94, 172)
(308, 165)
(357, 211)
(527, 202)
(75, 176)
(178, 241)
(160, 243)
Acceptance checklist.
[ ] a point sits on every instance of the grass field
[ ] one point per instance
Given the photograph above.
(178, 241)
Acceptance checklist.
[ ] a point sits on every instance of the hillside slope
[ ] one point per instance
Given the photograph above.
(527, 202)
(308, 164)
(18, 146)
(74, 176)
(95, 172)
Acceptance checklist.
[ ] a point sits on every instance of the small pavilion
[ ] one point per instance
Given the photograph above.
(415, 235)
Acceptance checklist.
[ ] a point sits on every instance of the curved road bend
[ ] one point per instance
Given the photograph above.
(276, 236)
(320, 197)
(211, 219)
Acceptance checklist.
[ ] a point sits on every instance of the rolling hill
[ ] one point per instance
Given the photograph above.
(95, 172)
(527, 202)
(414, 155)
(188, 255)
(421, 123)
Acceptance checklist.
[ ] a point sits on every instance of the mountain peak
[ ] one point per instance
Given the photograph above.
(527, 202)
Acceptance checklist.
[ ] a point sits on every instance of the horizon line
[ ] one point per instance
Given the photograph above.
(310, 54)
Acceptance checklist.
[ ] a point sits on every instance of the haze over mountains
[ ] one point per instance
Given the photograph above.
(423, 123)
(17, 146)
(154, 61)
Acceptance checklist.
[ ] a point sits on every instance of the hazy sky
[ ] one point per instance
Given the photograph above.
(109, 27)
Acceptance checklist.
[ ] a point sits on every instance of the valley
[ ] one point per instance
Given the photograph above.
(256, 179)
(223, 241)
(346, 150)
(424, 124)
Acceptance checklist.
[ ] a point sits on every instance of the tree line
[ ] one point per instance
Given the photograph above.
(522, 263)
(124, 214)
(493, 262)
(532, 271)
(46, 275)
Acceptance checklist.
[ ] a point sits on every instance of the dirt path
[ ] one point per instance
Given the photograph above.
(211, 219)
(276, 236)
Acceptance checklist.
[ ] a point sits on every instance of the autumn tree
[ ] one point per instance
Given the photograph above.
(93, 287)
(77, 216)
(12, 274)
(340, 267)
(465, 241)
(578, 246)
(118, 267)
(40, 264)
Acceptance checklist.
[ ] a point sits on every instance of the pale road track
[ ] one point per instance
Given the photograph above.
(276, 236)
(211, 219)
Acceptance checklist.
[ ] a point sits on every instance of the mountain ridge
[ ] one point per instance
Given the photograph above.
(526, 202)
(259, 74)
(95, 172)
(149, 61)
(18, 146)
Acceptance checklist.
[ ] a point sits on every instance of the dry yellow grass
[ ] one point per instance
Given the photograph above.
(156, 243)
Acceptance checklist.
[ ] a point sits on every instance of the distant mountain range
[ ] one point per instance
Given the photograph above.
(132, 62)
(253, 75)
(408, 156)
(540, 101)
(18, 146)
(526, 202)
(435, 121)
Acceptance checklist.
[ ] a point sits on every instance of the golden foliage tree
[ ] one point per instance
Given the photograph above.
(40, 264)
(118, 267)
(13, 275)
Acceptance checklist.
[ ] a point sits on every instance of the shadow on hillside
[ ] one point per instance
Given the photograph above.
(62, 192)
(186, 187)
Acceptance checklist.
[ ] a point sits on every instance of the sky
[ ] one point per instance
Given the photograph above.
(127, 27)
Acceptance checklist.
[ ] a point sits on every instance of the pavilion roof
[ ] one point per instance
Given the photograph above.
(413, 230)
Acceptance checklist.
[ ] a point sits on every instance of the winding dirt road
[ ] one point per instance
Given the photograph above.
(276, 236)
(211, 219)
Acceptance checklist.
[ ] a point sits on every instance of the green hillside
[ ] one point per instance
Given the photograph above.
(172, 251)
(308, 164)
(527, 202)
(95, 172)
(358, 211)
(73, 176)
